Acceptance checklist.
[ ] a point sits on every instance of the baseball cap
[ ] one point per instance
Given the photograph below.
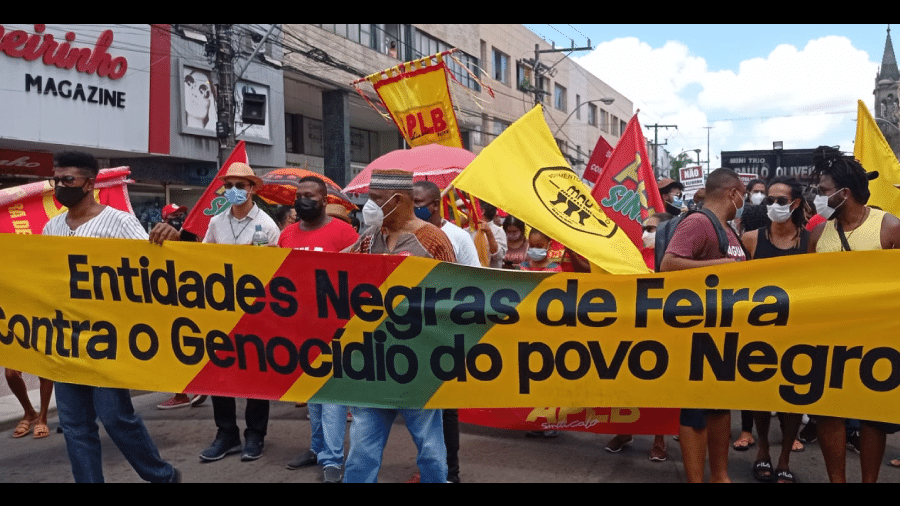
(172, 208)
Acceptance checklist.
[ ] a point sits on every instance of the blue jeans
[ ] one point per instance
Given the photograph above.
(328, 426)
(79, 406)
(369, 433)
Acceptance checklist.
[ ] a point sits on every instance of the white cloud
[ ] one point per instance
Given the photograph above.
(790, 94)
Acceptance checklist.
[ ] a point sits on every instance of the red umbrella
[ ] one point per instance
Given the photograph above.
(280, 186)
(431, 162)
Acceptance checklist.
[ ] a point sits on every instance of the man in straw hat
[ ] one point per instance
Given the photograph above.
(236, 226)
(394, 229)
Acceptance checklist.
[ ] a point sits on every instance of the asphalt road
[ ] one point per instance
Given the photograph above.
(486, 455)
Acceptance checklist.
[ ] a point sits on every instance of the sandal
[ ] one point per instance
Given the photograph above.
(762, 470)
(41, 430)
(894, 462)
(24, 427)
(744, 443)
(785, 476)
(798, 446)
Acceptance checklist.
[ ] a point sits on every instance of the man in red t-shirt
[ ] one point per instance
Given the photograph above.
(695, 244)
(315, 230)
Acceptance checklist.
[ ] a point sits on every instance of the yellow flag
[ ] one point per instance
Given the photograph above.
(874, 153)
(523, 173)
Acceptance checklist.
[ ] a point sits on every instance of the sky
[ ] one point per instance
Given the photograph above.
(753, 84)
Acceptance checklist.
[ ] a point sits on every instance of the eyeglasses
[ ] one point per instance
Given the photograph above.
(781, 201)
(239, 186)
(65, 180)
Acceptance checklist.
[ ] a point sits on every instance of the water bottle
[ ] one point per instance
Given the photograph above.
(259, 237)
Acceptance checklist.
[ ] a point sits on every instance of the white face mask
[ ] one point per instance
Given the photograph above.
(372, 213)
(649, 239)
(822, 207)
(536, 254)
(756, 198)
(778, 213)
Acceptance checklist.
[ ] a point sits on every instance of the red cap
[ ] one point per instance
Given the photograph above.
(172, 208)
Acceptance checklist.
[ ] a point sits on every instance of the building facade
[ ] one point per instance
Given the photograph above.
(150, 97)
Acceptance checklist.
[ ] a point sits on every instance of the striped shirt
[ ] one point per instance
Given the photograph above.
(111, 223)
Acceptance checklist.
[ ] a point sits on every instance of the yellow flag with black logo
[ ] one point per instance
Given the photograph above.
(523, 172)
(874, 153)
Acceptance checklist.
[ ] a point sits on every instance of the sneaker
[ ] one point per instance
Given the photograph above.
(305, 459)
(808, 434)
(616, 444)
(198, 400)
(331, 474)
(221, 447)
(853, 441)
(253, 449)
(550, 433)
(534, 433)
(658, 453)
(349, 416)
(174, 402)
(176, 477)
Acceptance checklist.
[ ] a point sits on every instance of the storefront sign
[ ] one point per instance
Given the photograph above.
(25, 162)
(76, 85)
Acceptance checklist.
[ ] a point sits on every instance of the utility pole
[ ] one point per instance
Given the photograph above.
(540, 68)
(708, 154)
(224, 68)
(656, 143)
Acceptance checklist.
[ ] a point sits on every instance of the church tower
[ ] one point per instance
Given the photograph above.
(886, 111)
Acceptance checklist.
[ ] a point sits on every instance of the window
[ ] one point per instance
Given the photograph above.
(592, 115)
(524, 77)
(501, 66)
(577, 106)
(499, 127)
(622, 126)
(614, 126)
(425, 45)
(559, 97)
(604, 120)
(293, 133)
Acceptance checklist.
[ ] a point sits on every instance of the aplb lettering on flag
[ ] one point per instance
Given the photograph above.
(626, 189)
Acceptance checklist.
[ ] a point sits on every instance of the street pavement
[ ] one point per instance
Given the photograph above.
(486, 455)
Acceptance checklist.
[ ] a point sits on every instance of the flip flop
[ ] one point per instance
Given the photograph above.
(24, 427)
(785, 476)
(41, 430)
(760, 467)
(894, 462)
(797, 446)
(746, 443)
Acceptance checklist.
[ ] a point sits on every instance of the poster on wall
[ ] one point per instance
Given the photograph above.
(198, 101)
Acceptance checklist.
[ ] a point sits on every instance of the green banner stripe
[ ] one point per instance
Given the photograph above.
(463, 305)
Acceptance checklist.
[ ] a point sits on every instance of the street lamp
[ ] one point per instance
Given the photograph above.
(606, 101)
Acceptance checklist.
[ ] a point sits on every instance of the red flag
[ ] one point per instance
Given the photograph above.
(601, 154)
(213, 201)
(627, 189)
(25, 209)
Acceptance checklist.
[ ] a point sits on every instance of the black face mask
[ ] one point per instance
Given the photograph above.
(176, 222)
(308, 209)
(70, 196)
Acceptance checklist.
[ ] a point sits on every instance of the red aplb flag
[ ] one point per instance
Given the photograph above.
(627, 189)
(601, 154)
(213, 200)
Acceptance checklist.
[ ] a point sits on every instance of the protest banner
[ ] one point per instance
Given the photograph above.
(394, 331)
(596, 419)
(417, 96)
(523, 172)
(875, 154)
(626, 188)
(25, 209)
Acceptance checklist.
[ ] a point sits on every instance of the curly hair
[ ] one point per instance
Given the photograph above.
(844, 170)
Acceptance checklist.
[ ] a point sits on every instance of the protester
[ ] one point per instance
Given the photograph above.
(695, 244)
(393, 229)
(785, 235)
(496, 237)
(843, 190)
(79, 406)
(37, 419)
(427, 199)
(285, 216)
(699, 197)
(658, 451)
(756, 191)
(317, 231)
(671, 192)
(174, 215)
(516, 241)
(237, 225)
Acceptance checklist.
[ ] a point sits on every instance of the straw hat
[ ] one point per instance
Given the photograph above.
(242, 170)
(337, 211)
